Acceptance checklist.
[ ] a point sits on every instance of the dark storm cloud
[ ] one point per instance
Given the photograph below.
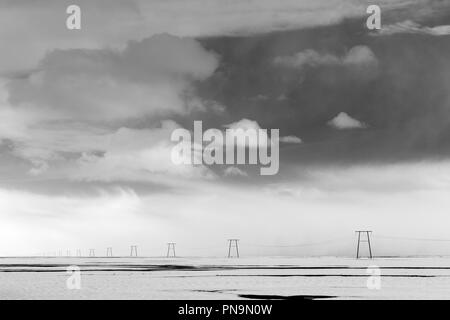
(404, 99)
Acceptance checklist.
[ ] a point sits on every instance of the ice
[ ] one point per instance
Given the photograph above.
(222, 278)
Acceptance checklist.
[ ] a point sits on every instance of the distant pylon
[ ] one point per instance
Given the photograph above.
(109, 252)
(59, 253)
(233, 243)
(133, 250)
(171, 245)
(78, 252)
(367, 232)
(68, 253)
(91, 252)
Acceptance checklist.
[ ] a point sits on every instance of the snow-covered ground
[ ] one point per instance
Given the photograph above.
(219, 278)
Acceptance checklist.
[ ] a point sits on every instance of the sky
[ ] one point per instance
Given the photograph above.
(85, 149)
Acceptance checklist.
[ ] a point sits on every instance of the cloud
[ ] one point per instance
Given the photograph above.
(37, 223)
(234, 171)
(149, 77)
(78, 102)
(87, 113)
(358, 56)
(89, 151)
(409, 26)
(388, 179)
(14, 122)
(397, 99)
(290, 139)
(136, 155)
(343, 121)
(243, 124)
(40, 166)
(306, 58)
(36, 27)
(246, 124)
(236, 17)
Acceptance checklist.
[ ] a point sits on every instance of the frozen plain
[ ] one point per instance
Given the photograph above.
(221, 278)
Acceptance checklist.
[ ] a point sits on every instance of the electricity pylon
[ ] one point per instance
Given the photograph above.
(367, 232)
(171, 245)
(133, 250)
(233, 243)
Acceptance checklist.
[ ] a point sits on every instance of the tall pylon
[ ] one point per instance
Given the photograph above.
(91, 252)
(171, 245)
(68, 253)
(367, 232)
(133, 250)
(109, 252)
(233, 243)
(78, 252)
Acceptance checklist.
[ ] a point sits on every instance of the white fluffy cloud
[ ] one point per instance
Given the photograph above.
(146, 78)
(358, 56)
(78, 104)
(136, 155)
(343, 121)
(88, 154)
(246, 124)
(243, 124)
